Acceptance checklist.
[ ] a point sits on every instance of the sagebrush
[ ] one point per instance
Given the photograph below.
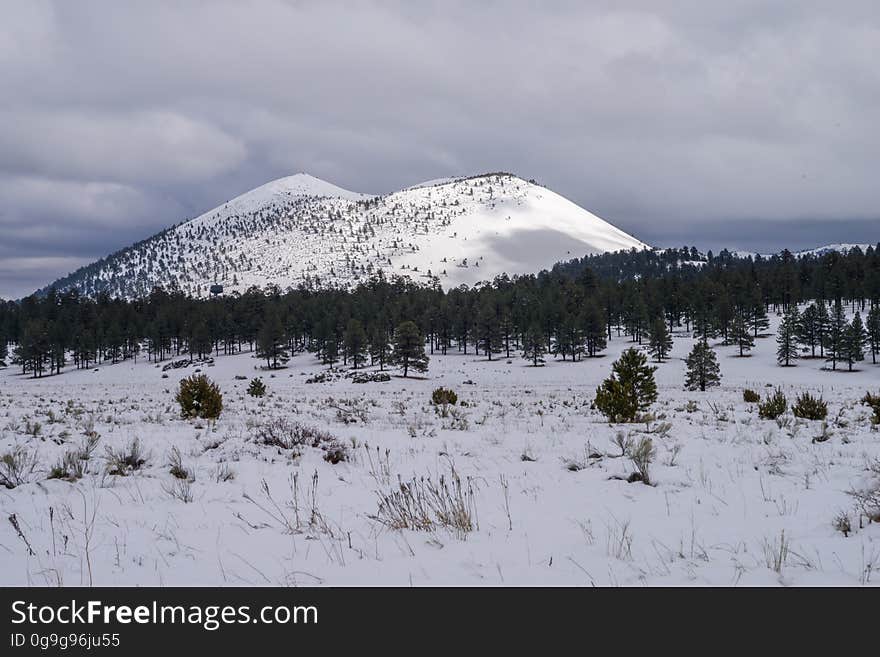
(750, 396)
(808, 407)
(774, 406)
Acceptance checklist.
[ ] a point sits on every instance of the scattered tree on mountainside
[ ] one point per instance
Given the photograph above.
(660, 340)
(786, 337)
(702, 368)
(409, 348)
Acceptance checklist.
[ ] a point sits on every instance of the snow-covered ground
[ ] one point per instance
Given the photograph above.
(816, 252)
(737, 500)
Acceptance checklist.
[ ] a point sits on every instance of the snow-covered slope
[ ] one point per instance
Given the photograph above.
(828, 248)
(302, 229)
(818, 251)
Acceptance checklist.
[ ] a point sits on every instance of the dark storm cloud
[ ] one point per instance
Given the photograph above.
(674, 120)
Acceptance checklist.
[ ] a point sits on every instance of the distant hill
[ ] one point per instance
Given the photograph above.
(302, 229)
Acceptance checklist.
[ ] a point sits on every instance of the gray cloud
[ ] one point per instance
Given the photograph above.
(673, 120)
(97, 145)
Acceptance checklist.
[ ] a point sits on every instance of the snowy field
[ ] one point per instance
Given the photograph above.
(736, 500)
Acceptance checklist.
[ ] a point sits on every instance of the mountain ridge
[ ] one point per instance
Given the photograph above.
(301, 229)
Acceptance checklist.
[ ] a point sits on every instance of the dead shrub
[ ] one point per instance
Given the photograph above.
(426, 504)
(123, 462)
(17, 467)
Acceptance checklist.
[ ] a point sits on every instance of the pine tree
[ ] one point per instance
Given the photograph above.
(808, 331)
(409, 348)
(158, 342)
(113, 342)
(854, 338)
(823, 323)
(463, 328)
(84, 351)
(703, 319)
(58, 335)
(635, 316)
(533, 345)
(786, 337)
(758, 320)
(291, 322)
(629, 390)
(489, 336)
(660, 340)
(562, 341)
(702, 368)
(835, 346)
(740, 334)
(330, 352)
(872, 328)
(355, 342)
(380, 347)
(507, 330)
(33, 348)
(270, 338)
(574, 336)
(200, 340)
(724, 315)
(593, 329)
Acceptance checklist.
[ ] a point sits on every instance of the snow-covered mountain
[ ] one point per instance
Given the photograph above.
(817, 251)
(828, 248)
(302, 229)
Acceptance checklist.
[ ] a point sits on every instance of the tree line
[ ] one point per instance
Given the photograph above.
(569, 313)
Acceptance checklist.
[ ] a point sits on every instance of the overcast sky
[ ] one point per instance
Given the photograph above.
(746, 124)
